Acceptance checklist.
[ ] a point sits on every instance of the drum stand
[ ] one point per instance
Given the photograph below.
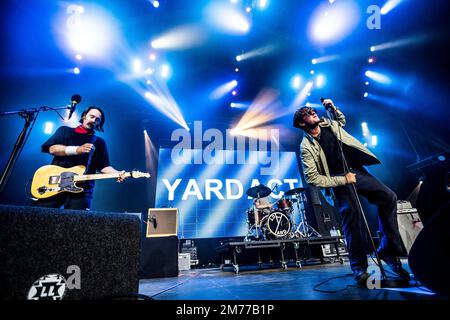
(256, 226)
(304, 230)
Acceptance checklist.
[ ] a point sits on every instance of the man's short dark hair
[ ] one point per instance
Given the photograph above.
(299, 115)
(98, 127)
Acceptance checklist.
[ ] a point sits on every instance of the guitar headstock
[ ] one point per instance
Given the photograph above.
(139, 174)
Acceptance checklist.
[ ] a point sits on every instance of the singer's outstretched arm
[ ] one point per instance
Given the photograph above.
(340, 118)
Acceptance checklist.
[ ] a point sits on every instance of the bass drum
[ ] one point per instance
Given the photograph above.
(254, 216)
(278, 225)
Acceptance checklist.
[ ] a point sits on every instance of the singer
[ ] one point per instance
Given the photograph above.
(79, 146)
(324, 149)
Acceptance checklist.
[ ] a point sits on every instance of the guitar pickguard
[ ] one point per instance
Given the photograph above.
(66, 182)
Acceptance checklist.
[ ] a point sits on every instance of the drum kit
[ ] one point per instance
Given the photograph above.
(278, 223)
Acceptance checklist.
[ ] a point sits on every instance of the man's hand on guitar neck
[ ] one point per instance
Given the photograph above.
(110, 169)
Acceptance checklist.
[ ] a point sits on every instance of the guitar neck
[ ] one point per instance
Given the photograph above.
(98, 176)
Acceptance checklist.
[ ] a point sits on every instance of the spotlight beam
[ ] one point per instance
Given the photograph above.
(399, 43)
(389, 5)
(378, 77)
(223, 89)
(256, 52)
(183, 37)
(324, 59)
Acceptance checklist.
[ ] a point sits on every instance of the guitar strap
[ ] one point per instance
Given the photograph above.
(88, 163)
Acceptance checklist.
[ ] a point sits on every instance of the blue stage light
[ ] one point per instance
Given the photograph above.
(378, 77)
(48, 127)
(156, 4)
(374, 141)
(296, 81)
(366, 94)
(137, 65)
(165, 71)
(324, 59)
(238, 105)
(90, 31)
(227, 18)
(76, 70)
(320, 81)
(262, 4)
(365, 129)
(389, 5)
(329, 25)
(180, 37)
(223, 89)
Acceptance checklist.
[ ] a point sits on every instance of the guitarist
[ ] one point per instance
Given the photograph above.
(79, 146)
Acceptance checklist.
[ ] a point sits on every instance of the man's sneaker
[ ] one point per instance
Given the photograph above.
(361, 276)
(395, 264)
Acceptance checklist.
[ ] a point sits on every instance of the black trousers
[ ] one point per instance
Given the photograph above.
(77, 201)
(354, 230)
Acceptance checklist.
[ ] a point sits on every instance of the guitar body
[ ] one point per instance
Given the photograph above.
(51, 180)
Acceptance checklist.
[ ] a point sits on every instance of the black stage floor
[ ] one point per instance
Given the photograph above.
(253, 283)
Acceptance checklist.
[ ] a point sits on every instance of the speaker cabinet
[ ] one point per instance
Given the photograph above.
(320, 214)
(162, 222)
(429, 257)
(159, 257)
(67, 254)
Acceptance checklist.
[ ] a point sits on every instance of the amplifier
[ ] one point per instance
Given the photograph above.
(329, 250)
(188, 247)
(162, 222)
(409, 223)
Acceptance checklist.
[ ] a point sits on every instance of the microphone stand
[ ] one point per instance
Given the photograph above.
(30, 116)
(385, 282)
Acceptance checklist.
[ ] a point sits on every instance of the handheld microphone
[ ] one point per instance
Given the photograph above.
(76, 98)
(328, 105)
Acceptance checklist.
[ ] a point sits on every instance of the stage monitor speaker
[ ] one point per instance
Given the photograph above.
(67, 254)
(162, 222)
(320, 214)
(159, 257)
(429, 258)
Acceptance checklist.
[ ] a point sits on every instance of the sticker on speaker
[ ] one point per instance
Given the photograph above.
(48, 287)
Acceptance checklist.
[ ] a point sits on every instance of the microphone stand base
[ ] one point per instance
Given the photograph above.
(391, 282)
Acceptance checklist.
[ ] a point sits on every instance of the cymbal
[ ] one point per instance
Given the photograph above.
(260, 191)
(294, 191)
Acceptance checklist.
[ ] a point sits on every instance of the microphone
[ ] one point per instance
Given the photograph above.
(76, 98)
(328, 105)
(152, 219)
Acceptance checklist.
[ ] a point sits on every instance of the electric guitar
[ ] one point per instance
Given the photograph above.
(51, 180)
